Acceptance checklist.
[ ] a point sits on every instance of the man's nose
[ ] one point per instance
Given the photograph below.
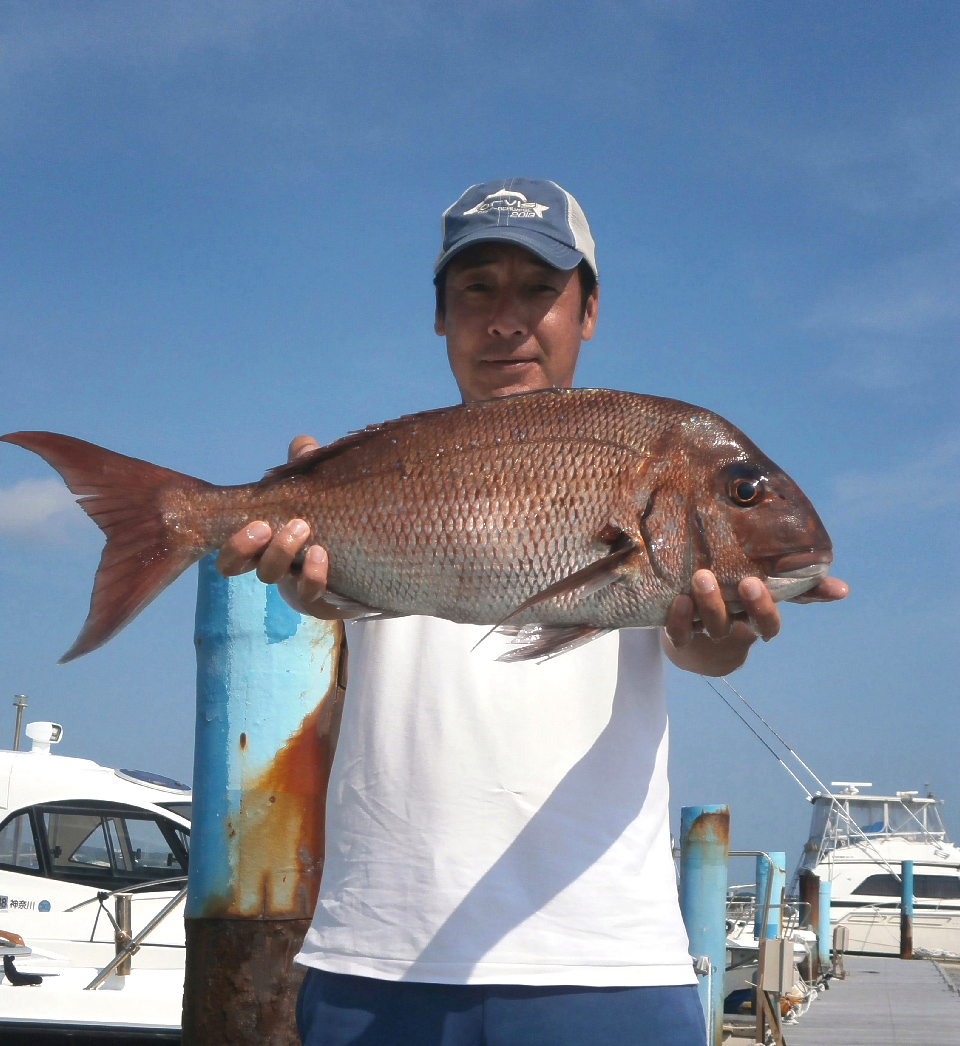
(507, 319)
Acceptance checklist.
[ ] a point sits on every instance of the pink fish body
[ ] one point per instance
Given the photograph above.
(558, 515)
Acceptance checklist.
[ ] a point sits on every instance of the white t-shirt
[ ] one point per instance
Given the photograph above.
(497, 823)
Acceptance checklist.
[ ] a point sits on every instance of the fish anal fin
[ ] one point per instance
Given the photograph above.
(541, 642)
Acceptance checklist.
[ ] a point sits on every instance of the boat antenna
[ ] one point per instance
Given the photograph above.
(19, 703)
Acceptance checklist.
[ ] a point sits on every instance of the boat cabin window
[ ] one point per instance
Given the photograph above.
(925, 887)
(104, 845)
(18, 848)
(910, 820)
(183, 810)
(869, 817)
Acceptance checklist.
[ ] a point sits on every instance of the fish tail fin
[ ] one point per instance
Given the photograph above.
(124, 496)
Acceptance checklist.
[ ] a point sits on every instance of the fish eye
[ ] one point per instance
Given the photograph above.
(746, 490)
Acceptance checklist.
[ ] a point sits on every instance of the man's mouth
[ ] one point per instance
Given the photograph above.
(509, 362)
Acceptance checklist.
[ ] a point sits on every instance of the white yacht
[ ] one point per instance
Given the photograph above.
(90, 858)
(857, 843)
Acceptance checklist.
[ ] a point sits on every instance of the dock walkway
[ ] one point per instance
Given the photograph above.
(882, 1002)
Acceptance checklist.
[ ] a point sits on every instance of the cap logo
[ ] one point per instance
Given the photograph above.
(509, 204)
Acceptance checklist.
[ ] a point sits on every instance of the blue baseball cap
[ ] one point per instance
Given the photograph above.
(531, 212)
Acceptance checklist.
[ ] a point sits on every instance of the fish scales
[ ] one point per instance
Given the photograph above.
(463, 514)
(584, 508)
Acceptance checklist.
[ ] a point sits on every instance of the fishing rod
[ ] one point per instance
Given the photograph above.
(843, 814)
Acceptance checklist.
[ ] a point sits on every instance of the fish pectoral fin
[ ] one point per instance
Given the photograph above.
(583, 582)
(351, 610)
(541, 642)
(586, 581)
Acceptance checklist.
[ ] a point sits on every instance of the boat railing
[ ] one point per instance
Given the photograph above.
(742, 910)
(126, 891)
(127, 944)
(844, 820)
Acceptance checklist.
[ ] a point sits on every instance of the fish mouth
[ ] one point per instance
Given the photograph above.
(791, 575)
(802, 564)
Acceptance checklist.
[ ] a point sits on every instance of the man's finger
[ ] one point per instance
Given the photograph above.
(709, 600)
(241, 552)
(301, 445)
(760, 607)
(679, 623)
(313, 575)
(828, 591)
(280, 553)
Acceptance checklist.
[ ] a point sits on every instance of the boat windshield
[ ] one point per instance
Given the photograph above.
(869, 817)
(847, 820)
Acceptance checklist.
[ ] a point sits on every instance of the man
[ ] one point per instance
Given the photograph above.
(498, 863)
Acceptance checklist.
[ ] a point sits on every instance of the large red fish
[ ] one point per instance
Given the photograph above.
(557, 515)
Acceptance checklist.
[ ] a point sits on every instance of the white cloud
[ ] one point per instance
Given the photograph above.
(928, 482)
(38, 509)
(908, 161)
(896, 326)
(915, 295)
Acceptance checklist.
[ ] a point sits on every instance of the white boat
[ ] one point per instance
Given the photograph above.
(743, 946)
(85, 849)
(857, 843)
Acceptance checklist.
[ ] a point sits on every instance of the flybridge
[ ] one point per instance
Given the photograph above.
(845, 818)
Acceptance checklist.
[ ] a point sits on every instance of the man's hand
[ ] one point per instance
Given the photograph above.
(256, 546)
(719, 642)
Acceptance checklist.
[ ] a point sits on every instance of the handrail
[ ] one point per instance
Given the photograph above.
(763, 1007)
(132, 945)
(766, 900)
(103, 895)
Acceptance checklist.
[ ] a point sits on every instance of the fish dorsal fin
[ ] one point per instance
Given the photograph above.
(306, 462)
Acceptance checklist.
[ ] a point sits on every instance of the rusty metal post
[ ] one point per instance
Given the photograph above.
(267, 717)
(809, 883)
(704, 848)
(124, 931)
(824, 939)
(906, 909)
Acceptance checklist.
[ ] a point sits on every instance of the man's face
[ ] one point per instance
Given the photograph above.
(512, 323)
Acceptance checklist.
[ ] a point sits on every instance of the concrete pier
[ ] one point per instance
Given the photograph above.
(882, 1002)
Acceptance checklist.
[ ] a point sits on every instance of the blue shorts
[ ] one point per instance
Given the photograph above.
(336, 1009)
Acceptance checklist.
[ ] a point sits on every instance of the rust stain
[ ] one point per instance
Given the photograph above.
(280, 852)
(713, 828)
(243, 740)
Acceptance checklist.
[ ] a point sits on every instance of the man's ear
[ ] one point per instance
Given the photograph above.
(439, 327)
(589, 323)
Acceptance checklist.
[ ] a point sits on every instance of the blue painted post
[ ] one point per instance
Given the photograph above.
(704, 850)
(777, 879)
(824, 940)
(267, 712)
(906, 909)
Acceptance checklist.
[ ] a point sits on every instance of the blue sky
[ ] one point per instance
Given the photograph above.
(219, 221)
